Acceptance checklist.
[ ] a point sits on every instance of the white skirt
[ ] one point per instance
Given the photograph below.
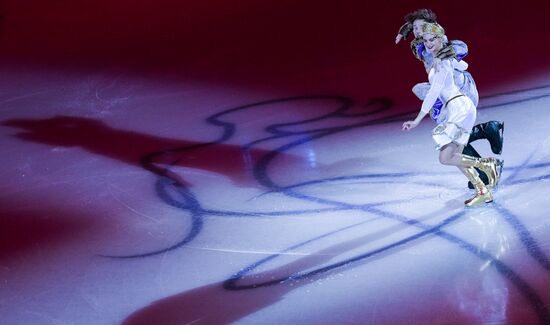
(455, 122)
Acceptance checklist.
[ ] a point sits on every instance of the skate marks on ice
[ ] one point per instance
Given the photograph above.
(345, 116)
(303, 135)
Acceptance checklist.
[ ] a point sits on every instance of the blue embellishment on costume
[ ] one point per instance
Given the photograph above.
(420, 49)
(436, 109)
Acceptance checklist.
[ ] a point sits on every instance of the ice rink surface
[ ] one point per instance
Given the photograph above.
(128, 200)
(245, 164)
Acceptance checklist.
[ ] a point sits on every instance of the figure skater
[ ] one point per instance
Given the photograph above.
(492, 130)
(457, 117)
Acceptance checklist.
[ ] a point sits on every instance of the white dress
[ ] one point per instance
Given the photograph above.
(458, 114)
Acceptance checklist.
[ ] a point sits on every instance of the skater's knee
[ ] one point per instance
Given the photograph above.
(446, 158)
(444, 161)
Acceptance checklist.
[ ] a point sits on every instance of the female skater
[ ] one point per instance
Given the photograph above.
(492, 130)
(457, 118)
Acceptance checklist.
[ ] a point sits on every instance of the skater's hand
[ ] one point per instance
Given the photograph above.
(398, 38)
(404, 30)
(408, 125)
(446, 52)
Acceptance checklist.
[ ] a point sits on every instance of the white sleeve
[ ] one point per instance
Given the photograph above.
(436, 85)
(460, 65)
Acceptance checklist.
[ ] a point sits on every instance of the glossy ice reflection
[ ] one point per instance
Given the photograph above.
(157, 204)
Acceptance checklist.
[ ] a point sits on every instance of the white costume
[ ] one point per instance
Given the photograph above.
(458, 114)
(463, 79)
